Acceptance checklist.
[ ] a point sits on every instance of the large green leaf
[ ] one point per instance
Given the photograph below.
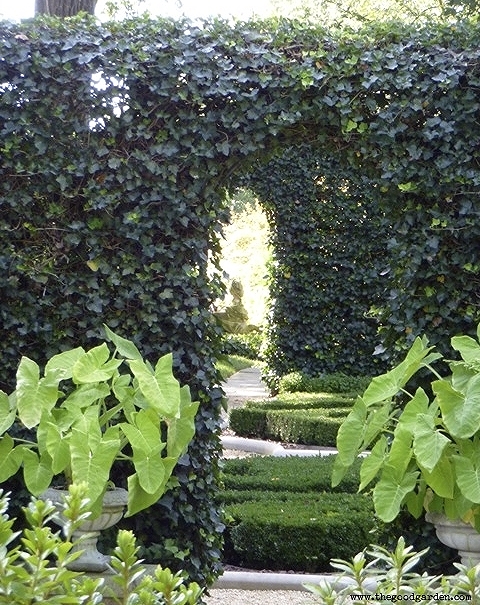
(467, 472)
(92, 462)
(461, 412)
(144, 435)
(7, 413)
(92, 453)
(37, 472)
(10, 457)
(138, 498)
(401, 450)
(88, 424)
(150, 471)
(34, 394)
(415, 500)
(461, 375)
(441, 479)
(390, 492)
(372, 463)
(417, 405)
(468, 348)
(95, 366)
(388, 385)
(58, 447)
(165, 377)
(349, 439)
(378, 421)
(61, 365)
(125, 347)
(86, 394)
(156, 392)
(428, 443)
(181, 430)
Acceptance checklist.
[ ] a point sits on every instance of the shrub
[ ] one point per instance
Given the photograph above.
(293, 474)
(248, 422)
(337, 382)
(301, 532)
(306, 426)
(312, 427)
(37, 569)
(262, 480)
(293, 401)
(244, 345)
(390, 575)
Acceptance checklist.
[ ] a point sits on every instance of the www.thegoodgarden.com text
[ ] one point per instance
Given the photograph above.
(417, 598)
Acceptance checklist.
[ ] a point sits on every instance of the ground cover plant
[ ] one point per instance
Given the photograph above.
(333, 382)
(227, 365)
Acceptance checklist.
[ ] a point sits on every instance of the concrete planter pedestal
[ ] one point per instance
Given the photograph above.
(91, 560)
(457, 534)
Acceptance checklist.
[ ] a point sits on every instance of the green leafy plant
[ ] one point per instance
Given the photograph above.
(111, 216)
(162, 587)
(427, 451)
(335, 382)
(307, 529)
(308, 426)
(90, 410)
(35, 571)
(389, 574)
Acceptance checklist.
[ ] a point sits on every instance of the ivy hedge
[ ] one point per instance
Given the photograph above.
(329, 241)
(117, 141)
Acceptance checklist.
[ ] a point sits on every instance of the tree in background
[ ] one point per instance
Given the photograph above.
(354, 13)
(64, 8)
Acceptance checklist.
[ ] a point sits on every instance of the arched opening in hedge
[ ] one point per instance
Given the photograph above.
(115, 224)
(330, 259)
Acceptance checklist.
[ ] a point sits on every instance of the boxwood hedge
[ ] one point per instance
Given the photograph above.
(293, 474)
(282, 514)
(300, 418)
(300, 532)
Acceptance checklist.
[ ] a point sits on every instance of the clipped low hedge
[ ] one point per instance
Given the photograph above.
(291, 475)
(336, 382)
(305, 426)
(281, 515)
(311, 401)
(280, 482)
(301, 533)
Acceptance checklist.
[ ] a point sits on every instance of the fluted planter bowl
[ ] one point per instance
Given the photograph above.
(91, 560)
(457, 534)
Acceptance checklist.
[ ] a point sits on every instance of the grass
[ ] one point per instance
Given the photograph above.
(228, 365)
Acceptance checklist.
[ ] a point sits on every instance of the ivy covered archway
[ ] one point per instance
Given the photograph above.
(118, 140)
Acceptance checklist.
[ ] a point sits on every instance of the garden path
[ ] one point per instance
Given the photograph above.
(242, 386)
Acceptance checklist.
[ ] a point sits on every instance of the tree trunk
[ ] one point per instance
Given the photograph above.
(64, 8)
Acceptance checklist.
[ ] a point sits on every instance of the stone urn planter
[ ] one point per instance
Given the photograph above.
(91, 560)
(459, 535)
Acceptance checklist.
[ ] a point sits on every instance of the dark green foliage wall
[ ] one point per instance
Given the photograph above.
(329, 236)
(116, 142)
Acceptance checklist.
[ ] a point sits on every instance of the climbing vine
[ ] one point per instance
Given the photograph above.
(118, 140)
(329, 236)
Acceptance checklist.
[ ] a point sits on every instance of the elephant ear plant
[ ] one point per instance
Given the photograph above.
(90, 410)
(425, 453)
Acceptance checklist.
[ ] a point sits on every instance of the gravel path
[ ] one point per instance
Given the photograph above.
(259, 597)
(243, 386)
